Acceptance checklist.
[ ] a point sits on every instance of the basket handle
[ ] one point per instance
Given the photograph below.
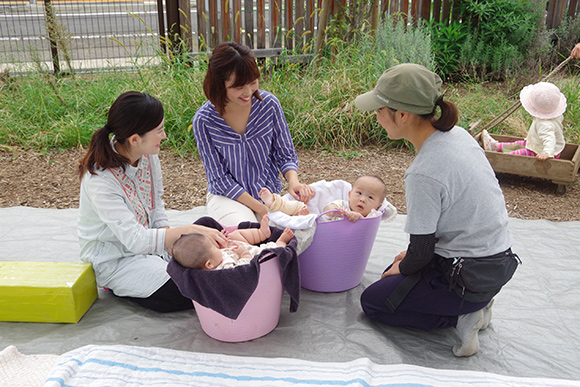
(333, 210)
(326, 212)
(267, 257)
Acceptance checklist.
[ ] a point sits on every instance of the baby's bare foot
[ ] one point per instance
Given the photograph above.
(303, 211)
(266, 197)
(286, 236)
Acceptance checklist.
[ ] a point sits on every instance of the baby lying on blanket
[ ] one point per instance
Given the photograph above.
(196, 251)
(365, 198)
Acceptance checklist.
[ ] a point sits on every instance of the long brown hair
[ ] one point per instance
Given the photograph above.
(229, 58)
(131, 113)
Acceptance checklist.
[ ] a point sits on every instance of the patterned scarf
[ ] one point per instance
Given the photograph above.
(139, 191)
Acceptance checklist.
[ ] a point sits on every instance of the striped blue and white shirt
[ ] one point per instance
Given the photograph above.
(234, 162)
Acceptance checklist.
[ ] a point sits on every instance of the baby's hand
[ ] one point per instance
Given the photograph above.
(351, 215)
(240, 249)
(542, 157)
(237, 246)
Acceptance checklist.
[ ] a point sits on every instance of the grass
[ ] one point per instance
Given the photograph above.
(43, 112)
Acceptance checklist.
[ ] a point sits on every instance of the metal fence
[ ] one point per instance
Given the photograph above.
(81, 34)
(84, 34)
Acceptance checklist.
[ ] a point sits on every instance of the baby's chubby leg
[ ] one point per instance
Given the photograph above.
(275, 202)
(253, 236)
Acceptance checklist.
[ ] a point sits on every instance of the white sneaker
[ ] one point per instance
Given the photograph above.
(489, 144)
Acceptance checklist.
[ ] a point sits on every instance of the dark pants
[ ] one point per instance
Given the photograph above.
(168, 298)
(430, 304)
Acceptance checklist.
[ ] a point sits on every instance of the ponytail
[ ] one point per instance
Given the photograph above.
(448, 118)
(100, 154)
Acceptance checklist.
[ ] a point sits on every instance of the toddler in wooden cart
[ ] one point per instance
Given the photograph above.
(545, 138)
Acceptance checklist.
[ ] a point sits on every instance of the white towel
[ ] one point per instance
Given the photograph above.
(18, 370)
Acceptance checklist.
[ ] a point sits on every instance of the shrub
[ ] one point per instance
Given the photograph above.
(446, 42)
(499, 36)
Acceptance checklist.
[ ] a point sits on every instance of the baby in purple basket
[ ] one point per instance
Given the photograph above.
(365, 198)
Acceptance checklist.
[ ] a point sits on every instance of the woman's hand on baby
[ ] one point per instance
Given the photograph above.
(301, 192)
(217, 238)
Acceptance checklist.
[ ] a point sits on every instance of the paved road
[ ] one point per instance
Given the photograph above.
(108, 30)
(100, 33)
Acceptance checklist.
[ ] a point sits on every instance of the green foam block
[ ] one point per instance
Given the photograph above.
(55, 292)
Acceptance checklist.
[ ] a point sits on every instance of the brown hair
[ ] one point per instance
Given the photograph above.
(131, 113)
(448, 118)
(191, 250)
(227, 59)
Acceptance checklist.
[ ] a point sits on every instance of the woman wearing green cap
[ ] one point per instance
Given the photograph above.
(456, 216)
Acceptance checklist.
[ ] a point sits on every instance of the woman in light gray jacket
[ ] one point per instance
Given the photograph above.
(122, 228)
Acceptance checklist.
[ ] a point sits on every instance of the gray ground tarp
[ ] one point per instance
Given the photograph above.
(535, 330)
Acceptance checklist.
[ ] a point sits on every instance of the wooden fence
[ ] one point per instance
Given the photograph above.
(269, 25)
(119, 33)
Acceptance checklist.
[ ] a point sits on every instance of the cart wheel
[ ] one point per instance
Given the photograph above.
(560, 189)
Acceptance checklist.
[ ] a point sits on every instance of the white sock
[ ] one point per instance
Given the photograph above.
(487, 315)
(467, 327)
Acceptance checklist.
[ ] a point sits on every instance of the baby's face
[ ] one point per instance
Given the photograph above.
(215, 257)
(366, 195)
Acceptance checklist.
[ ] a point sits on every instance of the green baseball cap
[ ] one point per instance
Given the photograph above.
(408, 87)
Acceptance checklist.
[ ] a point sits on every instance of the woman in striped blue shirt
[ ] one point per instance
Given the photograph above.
(243, 139)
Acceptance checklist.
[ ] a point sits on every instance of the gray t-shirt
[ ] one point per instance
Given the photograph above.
(452, 191)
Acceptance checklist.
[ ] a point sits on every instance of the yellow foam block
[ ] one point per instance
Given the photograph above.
(46, 291)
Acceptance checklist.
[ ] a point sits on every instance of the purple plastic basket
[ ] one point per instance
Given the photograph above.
(259, 316)
(336, 259)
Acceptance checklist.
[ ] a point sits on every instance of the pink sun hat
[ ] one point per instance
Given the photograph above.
(543, 100)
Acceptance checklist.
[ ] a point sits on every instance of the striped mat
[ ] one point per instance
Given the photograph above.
(120, 365)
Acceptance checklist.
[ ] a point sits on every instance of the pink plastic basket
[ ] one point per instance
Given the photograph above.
(259, 316)
(336, 259)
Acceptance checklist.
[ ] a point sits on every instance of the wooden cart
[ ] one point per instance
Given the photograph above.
(561, 171)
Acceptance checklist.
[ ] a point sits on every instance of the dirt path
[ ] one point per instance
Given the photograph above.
(49, 181)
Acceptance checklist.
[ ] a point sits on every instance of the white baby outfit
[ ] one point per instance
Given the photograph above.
(232, 259)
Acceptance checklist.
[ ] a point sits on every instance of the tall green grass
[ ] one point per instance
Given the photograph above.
(40, 111)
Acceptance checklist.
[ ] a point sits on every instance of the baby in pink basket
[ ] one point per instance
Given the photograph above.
(365, 198)
(196, 251)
